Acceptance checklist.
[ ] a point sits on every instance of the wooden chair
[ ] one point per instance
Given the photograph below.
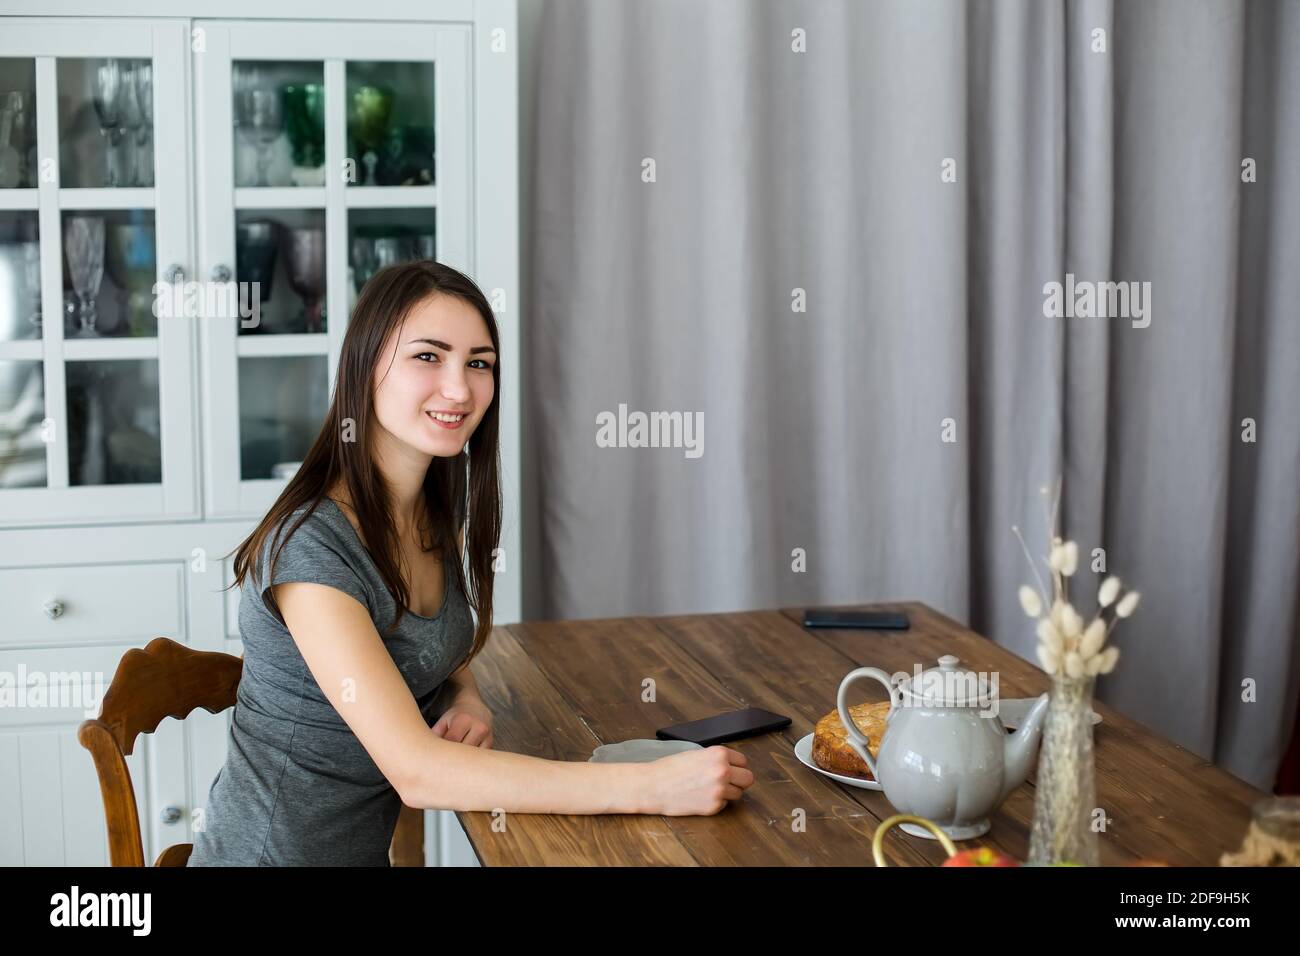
(167, 679)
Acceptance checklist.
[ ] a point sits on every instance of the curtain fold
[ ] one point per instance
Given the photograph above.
(801, 273)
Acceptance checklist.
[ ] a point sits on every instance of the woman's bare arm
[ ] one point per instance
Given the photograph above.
(344, 652)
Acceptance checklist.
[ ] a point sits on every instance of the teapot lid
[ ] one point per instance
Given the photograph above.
(947, 686)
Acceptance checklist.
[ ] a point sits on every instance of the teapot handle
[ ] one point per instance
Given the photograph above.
(857, 740)
(877, 842)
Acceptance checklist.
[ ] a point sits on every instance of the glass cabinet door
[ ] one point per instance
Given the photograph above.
(325, 152)
(96, 392)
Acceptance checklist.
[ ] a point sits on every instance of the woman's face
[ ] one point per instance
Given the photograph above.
(436, 363)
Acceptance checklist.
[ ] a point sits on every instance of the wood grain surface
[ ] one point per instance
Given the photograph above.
(558, 689)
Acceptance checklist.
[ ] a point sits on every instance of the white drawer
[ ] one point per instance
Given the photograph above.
(109, 603)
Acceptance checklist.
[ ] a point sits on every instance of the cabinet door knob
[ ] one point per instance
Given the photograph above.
(221, 273)
(175, 274)
(171, 814)
(53, 609)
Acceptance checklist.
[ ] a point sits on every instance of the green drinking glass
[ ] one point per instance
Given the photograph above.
(369, 110)
(304, 120)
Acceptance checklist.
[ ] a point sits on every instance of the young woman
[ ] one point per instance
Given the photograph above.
(336, 726)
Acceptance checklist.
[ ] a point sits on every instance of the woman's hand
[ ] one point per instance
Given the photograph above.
(698, 782)
(466, 721)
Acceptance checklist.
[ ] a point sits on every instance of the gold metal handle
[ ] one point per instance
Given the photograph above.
(877, 843)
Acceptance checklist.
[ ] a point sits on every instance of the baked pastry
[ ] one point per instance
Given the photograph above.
(831, 750)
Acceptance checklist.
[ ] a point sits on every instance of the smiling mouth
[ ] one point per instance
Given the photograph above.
(444, 420)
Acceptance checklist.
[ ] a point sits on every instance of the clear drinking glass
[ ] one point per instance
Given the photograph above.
(13, 113)
(107, 99)
(83, 240)
(144, 135)
(306, 255)
(363, 260)
(132, 122)
(261, 117)
(1273, 838)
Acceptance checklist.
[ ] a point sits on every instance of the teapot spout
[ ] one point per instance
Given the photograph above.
(1021, 746)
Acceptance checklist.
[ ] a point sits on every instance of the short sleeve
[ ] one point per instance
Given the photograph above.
(312, 555)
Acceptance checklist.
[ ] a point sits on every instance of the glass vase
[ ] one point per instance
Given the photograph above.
(1065, 794)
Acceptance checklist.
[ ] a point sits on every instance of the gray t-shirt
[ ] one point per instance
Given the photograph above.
(298, 788)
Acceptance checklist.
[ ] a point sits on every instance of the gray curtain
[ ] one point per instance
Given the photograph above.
(824, 429)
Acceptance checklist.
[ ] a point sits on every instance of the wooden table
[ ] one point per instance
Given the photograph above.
(558, 689)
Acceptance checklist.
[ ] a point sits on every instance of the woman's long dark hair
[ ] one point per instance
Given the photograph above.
(342, 450)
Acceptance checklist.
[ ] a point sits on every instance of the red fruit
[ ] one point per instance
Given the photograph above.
(980, 856)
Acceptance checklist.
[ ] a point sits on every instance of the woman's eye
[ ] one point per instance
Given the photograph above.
(430, 357)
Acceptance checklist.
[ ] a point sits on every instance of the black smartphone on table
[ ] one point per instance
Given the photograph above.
(729, 726)
(865, 620)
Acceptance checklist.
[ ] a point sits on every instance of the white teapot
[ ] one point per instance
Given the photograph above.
(945, 754)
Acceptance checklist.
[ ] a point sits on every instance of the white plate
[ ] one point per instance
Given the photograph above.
(803, 750)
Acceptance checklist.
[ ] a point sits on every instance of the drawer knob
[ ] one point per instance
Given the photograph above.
(171, 814)
(54, 610)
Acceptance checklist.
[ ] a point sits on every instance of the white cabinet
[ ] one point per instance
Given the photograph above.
(64, 629)
(156, 160)
(97, 397)
(367, 162)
